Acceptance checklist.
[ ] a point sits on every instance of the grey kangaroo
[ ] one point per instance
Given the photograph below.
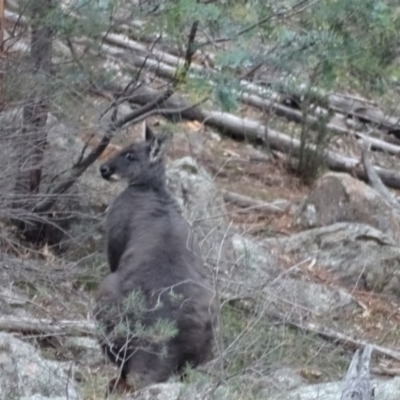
(157, 278)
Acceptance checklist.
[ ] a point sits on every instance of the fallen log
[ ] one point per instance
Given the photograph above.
(375, 181)
(166, 71)
(159, 55)
(46, 326)
(347, 105)
(357, 384)
(363, 111)
(297, 116)
(243, 128)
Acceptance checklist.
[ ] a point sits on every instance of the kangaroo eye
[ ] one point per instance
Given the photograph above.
(130, 157)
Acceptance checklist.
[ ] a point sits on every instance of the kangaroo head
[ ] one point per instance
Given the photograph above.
(139, 163)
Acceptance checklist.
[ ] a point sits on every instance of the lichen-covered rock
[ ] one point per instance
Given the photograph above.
(85, 350)
(357, 254)
(320, 299)
(338, 197)
(203, 206)
(179, 391)
(25, 374)
(256, 268)
(162, 391)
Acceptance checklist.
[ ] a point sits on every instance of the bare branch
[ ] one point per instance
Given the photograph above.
(80, 168)
(251, 204)
(341, 337)
(374, 179)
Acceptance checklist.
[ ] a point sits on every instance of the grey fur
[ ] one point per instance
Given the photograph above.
(152, 253)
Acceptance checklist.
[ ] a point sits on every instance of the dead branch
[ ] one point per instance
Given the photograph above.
(377, 144)
(81, 167)
(253, 204)
(273, 106)
(243, 128)
(357, 383)
(374, 179)
(340, 337)
(46, 326)
(364, 111)
(267, 105)
(348, 105)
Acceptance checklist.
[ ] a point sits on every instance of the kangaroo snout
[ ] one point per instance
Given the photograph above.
(106, 171)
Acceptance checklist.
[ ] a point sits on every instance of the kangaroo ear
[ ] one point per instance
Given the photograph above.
(147, 133)
(159, 146)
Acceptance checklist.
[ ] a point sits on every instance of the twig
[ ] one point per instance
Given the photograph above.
(249, 203)
(340, 337)
(295, 9)
(78, 169)
(146, 108)
(374, 179)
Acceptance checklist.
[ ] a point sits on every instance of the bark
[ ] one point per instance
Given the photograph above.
(249, 204)
(357, 384)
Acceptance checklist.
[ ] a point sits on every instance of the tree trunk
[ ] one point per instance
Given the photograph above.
(33, 139)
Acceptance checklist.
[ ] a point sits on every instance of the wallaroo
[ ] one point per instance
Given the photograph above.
(155, 310)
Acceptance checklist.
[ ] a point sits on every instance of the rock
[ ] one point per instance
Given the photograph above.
(358, 254)
(280, 380)
(256, 268)
(203, 206)
(285, 379)
(12, 301)
(319, 299)
(161, 391)
(338, 197)
(85, 350)
(244, 264)
(384, 389)
(25, 374)
(254, 263)
(179, 391)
